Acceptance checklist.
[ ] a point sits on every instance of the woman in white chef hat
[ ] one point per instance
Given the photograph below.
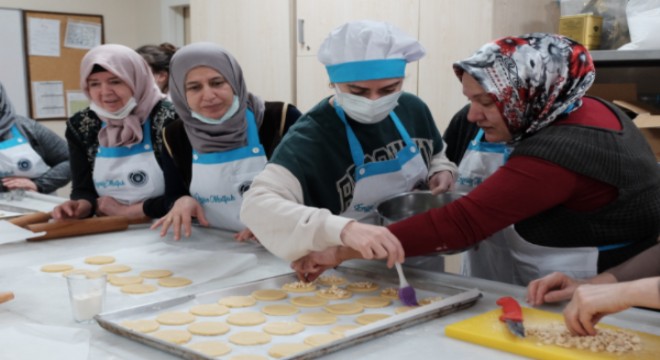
(352, 150)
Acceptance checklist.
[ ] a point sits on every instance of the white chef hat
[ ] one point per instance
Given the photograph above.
(368, 50)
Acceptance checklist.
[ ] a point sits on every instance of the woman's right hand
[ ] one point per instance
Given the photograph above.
(373, 242)
(181, 214)
(72, 209)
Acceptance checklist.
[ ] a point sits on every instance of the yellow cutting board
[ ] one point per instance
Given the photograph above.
(487, 330)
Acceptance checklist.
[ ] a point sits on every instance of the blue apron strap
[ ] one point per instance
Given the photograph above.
(15, 133)
(252, 130)
(353, 143)
(402, 130)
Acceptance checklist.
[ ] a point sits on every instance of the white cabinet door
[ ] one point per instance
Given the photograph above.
(315, 20)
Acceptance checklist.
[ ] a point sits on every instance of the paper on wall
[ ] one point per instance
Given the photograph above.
(82, 35)
(75, 101)
(44, 37)
(48, 99)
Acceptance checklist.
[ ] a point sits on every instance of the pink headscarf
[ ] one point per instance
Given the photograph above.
(131, 68)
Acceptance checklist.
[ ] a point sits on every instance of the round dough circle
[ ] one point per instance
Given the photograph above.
(341, 329)
(143, 326)
(430, 300)
(209, 310)
(208, 328)
(117, 280)
(269, 294)
(248, 318)
(237, 301)
(283, 328)
(155, 274)
(115, 268)
(344, 308)
(175, 336)
(100, 260)
(362, 286)
(317, 318)
(250, 338)
(211, 348)
(402, 309)
(299, 287)
(374, 302)
(175, 318)
(321, 339)
(330, 280)
(369, 318)
(390, 293)
(283, 350)
(308, 301)
(334, 293)
(174, 281)
(279, 310)
(248, 357)
(138, 288)
(56, 268)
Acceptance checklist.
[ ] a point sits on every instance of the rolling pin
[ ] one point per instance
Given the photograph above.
(6, 296)
(95, 225)
(25, 220)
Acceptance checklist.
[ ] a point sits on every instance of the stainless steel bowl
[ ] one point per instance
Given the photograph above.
(405, 205)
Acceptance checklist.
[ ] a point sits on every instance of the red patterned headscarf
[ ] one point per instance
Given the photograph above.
(533, 78)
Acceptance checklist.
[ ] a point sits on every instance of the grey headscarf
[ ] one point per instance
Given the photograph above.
(231, 133)
(7, 114)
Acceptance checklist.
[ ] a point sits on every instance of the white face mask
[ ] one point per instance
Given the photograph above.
(364, 110)
(229, 113)
(115, 115)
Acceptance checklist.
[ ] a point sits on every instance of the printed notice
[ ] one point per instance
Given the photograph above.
(44, 37)
(48, 98)
(82, 35)
(75, 101)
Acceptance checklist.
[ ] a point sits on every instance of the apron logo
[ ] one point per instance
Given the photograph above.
(244, 187)
(24, 164)
(363, 208)
(138, 178)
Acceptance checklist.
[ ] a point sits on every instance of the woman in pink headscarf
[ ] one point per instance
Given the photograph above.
(115, 143)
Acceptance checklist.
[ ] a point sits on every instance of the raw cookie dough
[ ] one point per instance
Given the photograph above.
(374, 302)
(211, 348)
(208, 328)
(390, 293)
(115, 268)
(430, 300)
(317, 318)
(155, 274)
(334, 293)
(402, 309)
(100, 260)
(248, 357)
(369, 318)
(362, 286)
(175, 336)
(341, 329)
(279, 310)
(330, 280)
(299, 287)
(174, 281)
(308, 301)
(269, 294)
(283, 328)
(250, 338)
(247, 318)
(209, 310)
(117, 280)
(143, 326)
(237, 301)
(56, 267)
(321, 339)
(344, 308)
(284, 350)
(138, 288)
(175, 318)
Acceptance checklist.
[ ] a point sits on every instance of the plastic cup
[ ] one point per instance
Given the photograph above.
(86, 293)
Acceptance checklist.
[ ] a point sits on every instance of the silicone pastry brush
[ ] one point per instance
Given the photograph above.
(406, 292)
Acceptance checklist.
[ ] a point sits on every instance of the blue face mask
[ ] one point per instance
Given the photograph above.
(230, 112)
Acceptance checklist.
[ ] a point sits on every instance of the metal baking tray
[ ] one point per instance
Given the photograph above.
(454, 299)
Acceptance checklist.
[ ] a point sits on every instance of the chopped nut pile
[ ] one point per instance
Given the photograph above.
(389, 292)
(299, 285)
(606, 340)
(363, 284)
(334, 290)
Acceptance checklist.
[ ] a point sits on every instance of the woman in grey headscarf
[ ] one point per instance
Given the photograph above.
(32, 157)
(222, 141)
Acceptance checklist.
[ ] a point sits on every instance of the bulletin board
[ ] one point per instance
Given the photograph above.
(55, 44)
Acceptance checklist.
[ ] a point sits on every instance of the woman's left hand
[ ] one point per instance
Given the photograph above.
(311, 266)
(441, 182)
(244, 235)
(12, 183)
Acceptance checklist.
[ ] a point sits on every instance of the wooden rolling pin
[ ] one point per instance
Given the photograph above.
(95, 225)
(6, 296)
(25, 220)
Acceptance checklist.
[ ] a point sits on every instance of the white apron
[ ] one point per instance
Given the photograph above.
(219, 179)
(129, 174)
(506, 256)
(17, 158)
(378, 180)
